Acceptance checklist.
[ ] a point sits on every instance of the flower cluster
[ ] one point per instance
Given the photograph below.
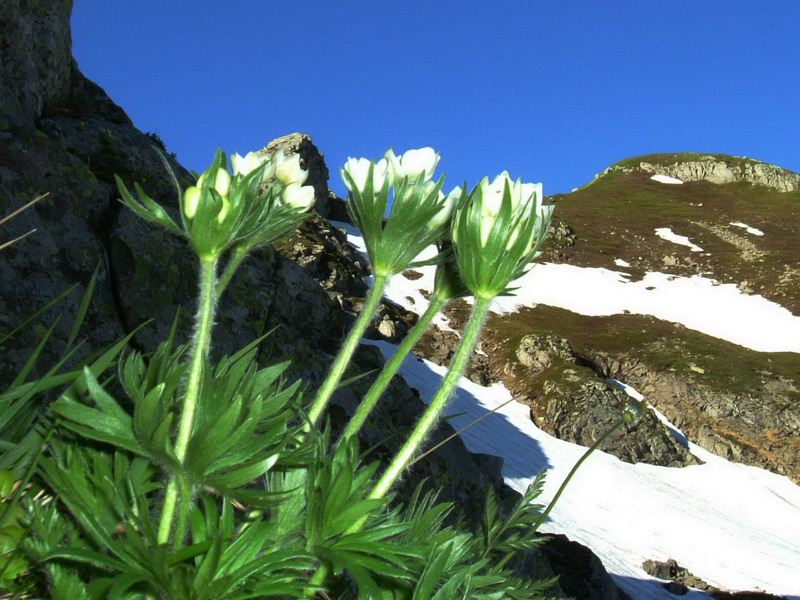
(420, 212)
(496, 229)
(261, 201)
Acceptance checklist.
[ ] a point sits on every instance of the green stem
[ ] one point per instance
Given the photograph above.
(340, 364)
(236, 259)
(575, 468)
(201, 344)
(391, 367)
(317, 579)
(431, 415)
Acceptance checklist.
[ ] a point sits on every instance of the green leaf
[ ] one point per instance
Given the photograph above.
(88, 557)
(84, 307)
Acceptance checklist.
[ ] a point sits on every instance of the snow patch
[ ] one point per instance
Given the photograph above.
(666, 179)
(666, 233)
(696, 302)
(737, 527)
(749, 229)
(621, 263)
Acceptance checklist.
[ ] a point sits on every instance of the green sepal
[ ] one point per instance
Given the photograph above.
(151, 211)
(393, 244)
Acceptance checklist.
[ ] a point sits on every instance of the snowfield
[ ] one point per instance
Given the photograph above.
(737, 527)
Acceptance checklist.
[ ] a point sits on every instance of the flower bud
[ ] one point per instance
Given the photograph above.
(632, 413)
(222, 182)
(244, 165)
(492, 193)
(297, 197)
(288, 169)
(190, 199)
(413, 163)
(358, 169)
(448, 204)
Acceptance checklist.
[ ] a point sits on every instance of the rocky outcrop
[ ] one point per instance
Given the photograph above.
(35, 62)
(311, 160)
(762, 431)
(567, 398)
(572, 403)
(680, 581)
(715, 168)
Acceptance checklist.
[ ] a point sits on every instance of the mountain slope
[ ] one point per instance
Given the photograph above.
(738, 402)
(702, 325)
(615, 217)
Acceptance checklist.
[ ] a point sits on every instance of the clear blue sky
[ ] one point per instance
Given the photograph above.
(551, 91)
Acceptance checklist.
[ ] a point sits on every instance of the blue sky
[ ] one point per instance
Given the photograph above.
(550, 91)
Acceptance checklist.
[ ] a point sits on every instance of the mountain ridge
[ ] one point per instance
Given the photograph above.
(714, 168)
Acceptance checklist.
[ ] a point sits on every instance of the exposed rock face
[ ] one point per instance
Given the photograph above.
(762, 431)
(717, 169)
(35, 62)
(310, 159)
(578, 406)
(583, 576)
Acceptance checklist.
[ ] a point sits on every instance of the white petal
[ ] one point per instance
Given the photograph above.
(298, 197)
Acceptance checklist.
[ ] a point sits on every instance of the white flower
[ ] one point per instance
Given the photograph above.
(448, 206)
(525, 197)
(288, 169)
(244, 165)
(525, 193)
(295, 196)
(358, 169)
(413, 163)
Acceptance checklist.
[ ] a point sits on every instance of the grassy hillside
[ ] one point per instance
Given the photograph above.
(615, 217)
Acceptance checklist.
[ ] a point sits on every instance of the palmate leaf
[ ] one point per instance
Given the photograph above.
(108, 422)
(239, 561)
(245, 424)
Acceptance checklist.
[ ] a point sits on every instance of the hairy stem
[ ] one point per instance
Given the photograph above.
(200, 346)
(391, 367)
(431, 415)
(351, 343)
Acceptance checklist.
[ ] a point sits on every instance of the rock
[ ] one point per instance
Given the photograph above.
(680, 580)
(579, 407)
(581, 574)
(758, 430)
(310, 159)
(719, 169)
(572, 403)
(670, 570)
(537, 352)
(36, 65)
